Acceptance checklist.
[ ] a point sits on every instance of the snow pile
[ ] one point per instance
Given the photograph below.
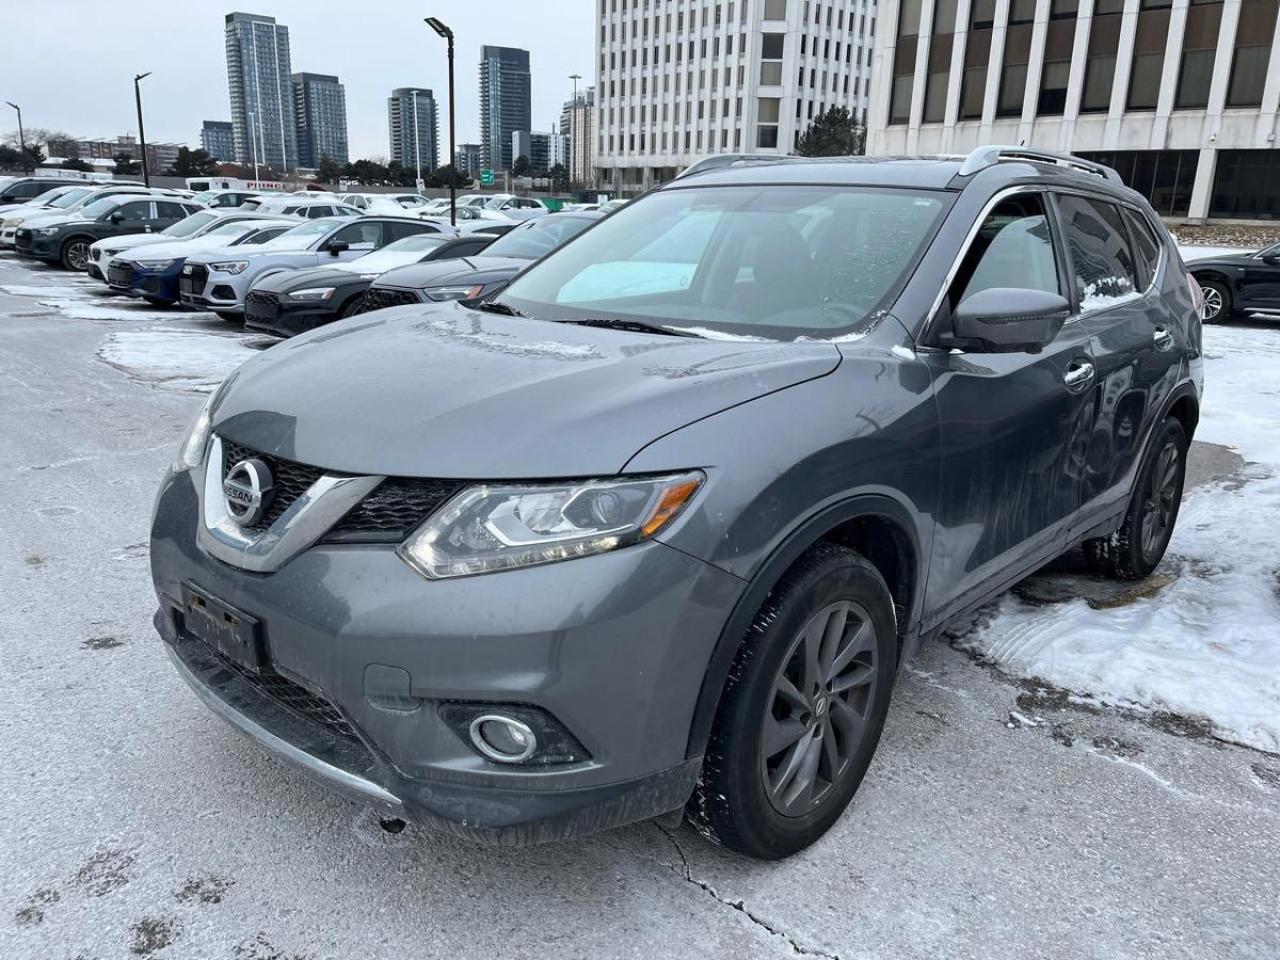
(1208, 645)
(126, 310)
(46, 290)
(184, 359)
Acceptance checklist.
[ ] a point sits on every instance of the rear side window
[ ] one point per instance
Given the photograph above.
(398, 231)
(1013, 248)
(1102, 264)
(170, 211)
(1145, 246)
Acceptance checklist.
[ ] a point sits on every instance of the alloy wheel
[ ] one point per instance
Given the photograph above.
(1160, 501)
(78, 256)
(819, 708)
(1212, 304)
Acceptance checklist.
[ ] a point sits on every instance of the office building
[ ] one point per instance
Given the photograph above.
(577, 121)
(542, 150)
(258, 73)
(467, 159)
(505, 104)
(160, 156)
(413, 128)
(1180, 97)
(680, 80)
(320, 117)
(218, 141)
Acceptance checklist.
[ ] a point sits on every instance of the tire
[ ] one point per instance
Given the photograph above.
(1217, 301)
(770, 807)
(230, 317)
(351, 307)
(75, 254)
(1137, 548)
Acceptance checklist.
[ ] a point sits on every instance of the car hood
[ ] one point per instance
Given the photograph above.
(286, 280)
(116, 244)
(253, 253)
(55, 219)
(457, 393)
(168, 247)
(1235, 259)
(434, 273)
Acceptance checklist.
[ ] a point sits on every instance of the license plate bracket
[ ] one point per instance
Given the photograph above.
(230, 631)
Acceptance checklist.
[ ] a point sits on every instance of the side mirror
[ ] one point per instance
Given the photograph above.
(336, 247)
(1009, 320)
(116, 216)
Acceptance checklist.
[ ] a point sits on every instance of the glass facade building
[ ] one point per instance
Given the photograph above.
(320, 113)
(258, 79)
(505, 103)
(1177, 95)
(413, 128)
(218, 140)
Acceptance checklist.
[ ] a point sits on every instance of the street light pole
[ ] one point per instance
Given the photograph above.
(435, 24)
(22, 139)
(253, 141)
(142, 137)
(417, 144)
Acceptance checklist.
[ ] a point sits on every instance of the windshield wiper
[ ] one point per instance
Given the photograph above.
(497, 306)
(617, 323)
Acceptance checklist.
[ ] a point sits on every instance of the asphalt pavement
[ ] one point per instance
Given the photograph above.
(999, 819)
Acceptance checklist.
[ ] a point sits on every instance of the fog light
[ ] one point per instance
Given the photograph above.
(503, 739)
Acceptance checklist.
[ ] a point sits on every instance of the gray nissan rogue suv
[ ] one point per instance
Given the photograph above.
(652, 528)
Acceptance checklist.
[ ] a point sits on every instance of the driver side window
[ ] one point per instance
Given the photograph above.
(1012, 248)
(361, 236)
(139, 210)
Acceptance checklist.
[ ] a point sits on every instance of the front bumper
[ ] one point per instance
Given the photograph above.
(613, 646)
(157, 285)
(29, 244)
(205, 289)
(284, 318)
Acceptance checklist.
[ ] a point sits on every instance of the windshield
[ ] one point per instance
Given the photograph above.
(301, 236)
(205, 196)
(48, 196)
(98, 207)
(190, 226)
(421, 241)
(537, 237)
(74, 195)
(228, 232)
(778, 262)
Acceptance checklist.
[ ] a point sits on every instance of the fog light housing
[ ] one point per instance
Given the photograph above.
(503, 739)
(512, 733)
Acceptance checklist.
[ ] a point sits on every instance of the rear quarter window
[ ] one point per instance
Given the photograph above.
(1146, 247)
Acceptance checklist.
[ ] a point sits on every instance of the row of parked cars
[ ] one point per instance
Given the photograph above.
(284, 263)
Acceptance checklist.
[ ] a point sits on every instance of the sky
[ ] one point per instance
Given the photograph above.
(69, 64)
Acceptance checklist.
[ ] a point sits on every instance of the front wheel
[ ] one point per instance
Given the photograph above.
(1137, 548)
(803, 708)
(75, 254)
(1217, 301)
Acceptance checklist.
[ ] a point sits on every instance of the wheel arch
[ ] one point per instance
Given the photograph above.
(877, 527)
(1185, 407)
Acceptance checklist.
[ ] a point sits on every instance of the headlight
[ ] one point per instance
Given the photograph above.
(312, 293)
(47, 231)
(11, 222)
(230, 266)
(154, 264)
(191, 453)
(454, 293)
(487, 527)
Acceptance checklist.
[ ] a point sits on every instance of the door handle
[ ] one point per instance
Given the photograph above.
(1163, 338)
(1078, 374)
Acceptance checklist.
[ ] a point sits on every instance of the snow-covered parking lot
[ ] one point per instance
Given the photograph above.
(1084, 771)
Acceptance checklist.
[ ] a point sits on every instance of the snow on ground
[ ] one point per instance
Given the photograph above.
(185, 359)
(79, 291)
(1207, 645)
(135, 310)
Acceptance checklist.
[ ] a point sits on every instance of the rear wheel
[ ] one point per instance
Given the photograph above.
(75, 254)
(1217, 301)
(1137, 548)
(802, 712)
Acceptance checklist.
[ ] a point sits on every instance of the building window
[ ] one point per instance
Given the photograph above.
(774, 9)
(1199, 48)
(904, 62)
(1148, 55)
(1253, 50)
(1059, 42)
(1246, 185)
(977, 55)
(767, 136)
(1164, 177)
(1013, 73)
(938, 78)
(1100, 71)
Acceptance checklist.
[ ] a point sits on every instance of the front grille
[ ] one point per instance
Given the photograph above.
(194, 276)
(259, 305)
(119, 274)
(294, 697)
(386, 515)
(290, 479)
(261, 296)
(376, 298)
(22, 234)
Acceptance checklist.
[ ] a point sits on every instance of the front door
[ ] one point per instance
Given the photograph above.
(1014, 426)
(1260, 282)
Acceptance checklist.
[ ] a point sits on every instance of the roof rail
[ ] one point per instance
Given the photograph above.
(721, 160)
(983, 157)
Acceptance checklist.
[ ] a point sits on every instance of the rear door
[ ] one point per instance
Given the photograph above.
(1013, 425)
(1117, 268)
(167, 214)
(135, 216)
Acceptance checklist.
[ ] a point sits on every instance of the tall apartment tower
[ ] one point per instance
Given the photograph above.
(680, 80)
(218, 140)
(258, 74)
(505, 103)
(577, 122)
(413, 128)
(320, 113)
(1180, 97)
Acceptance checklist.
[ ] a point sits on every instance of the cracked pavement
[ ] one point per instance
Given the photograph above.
(999, 819)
